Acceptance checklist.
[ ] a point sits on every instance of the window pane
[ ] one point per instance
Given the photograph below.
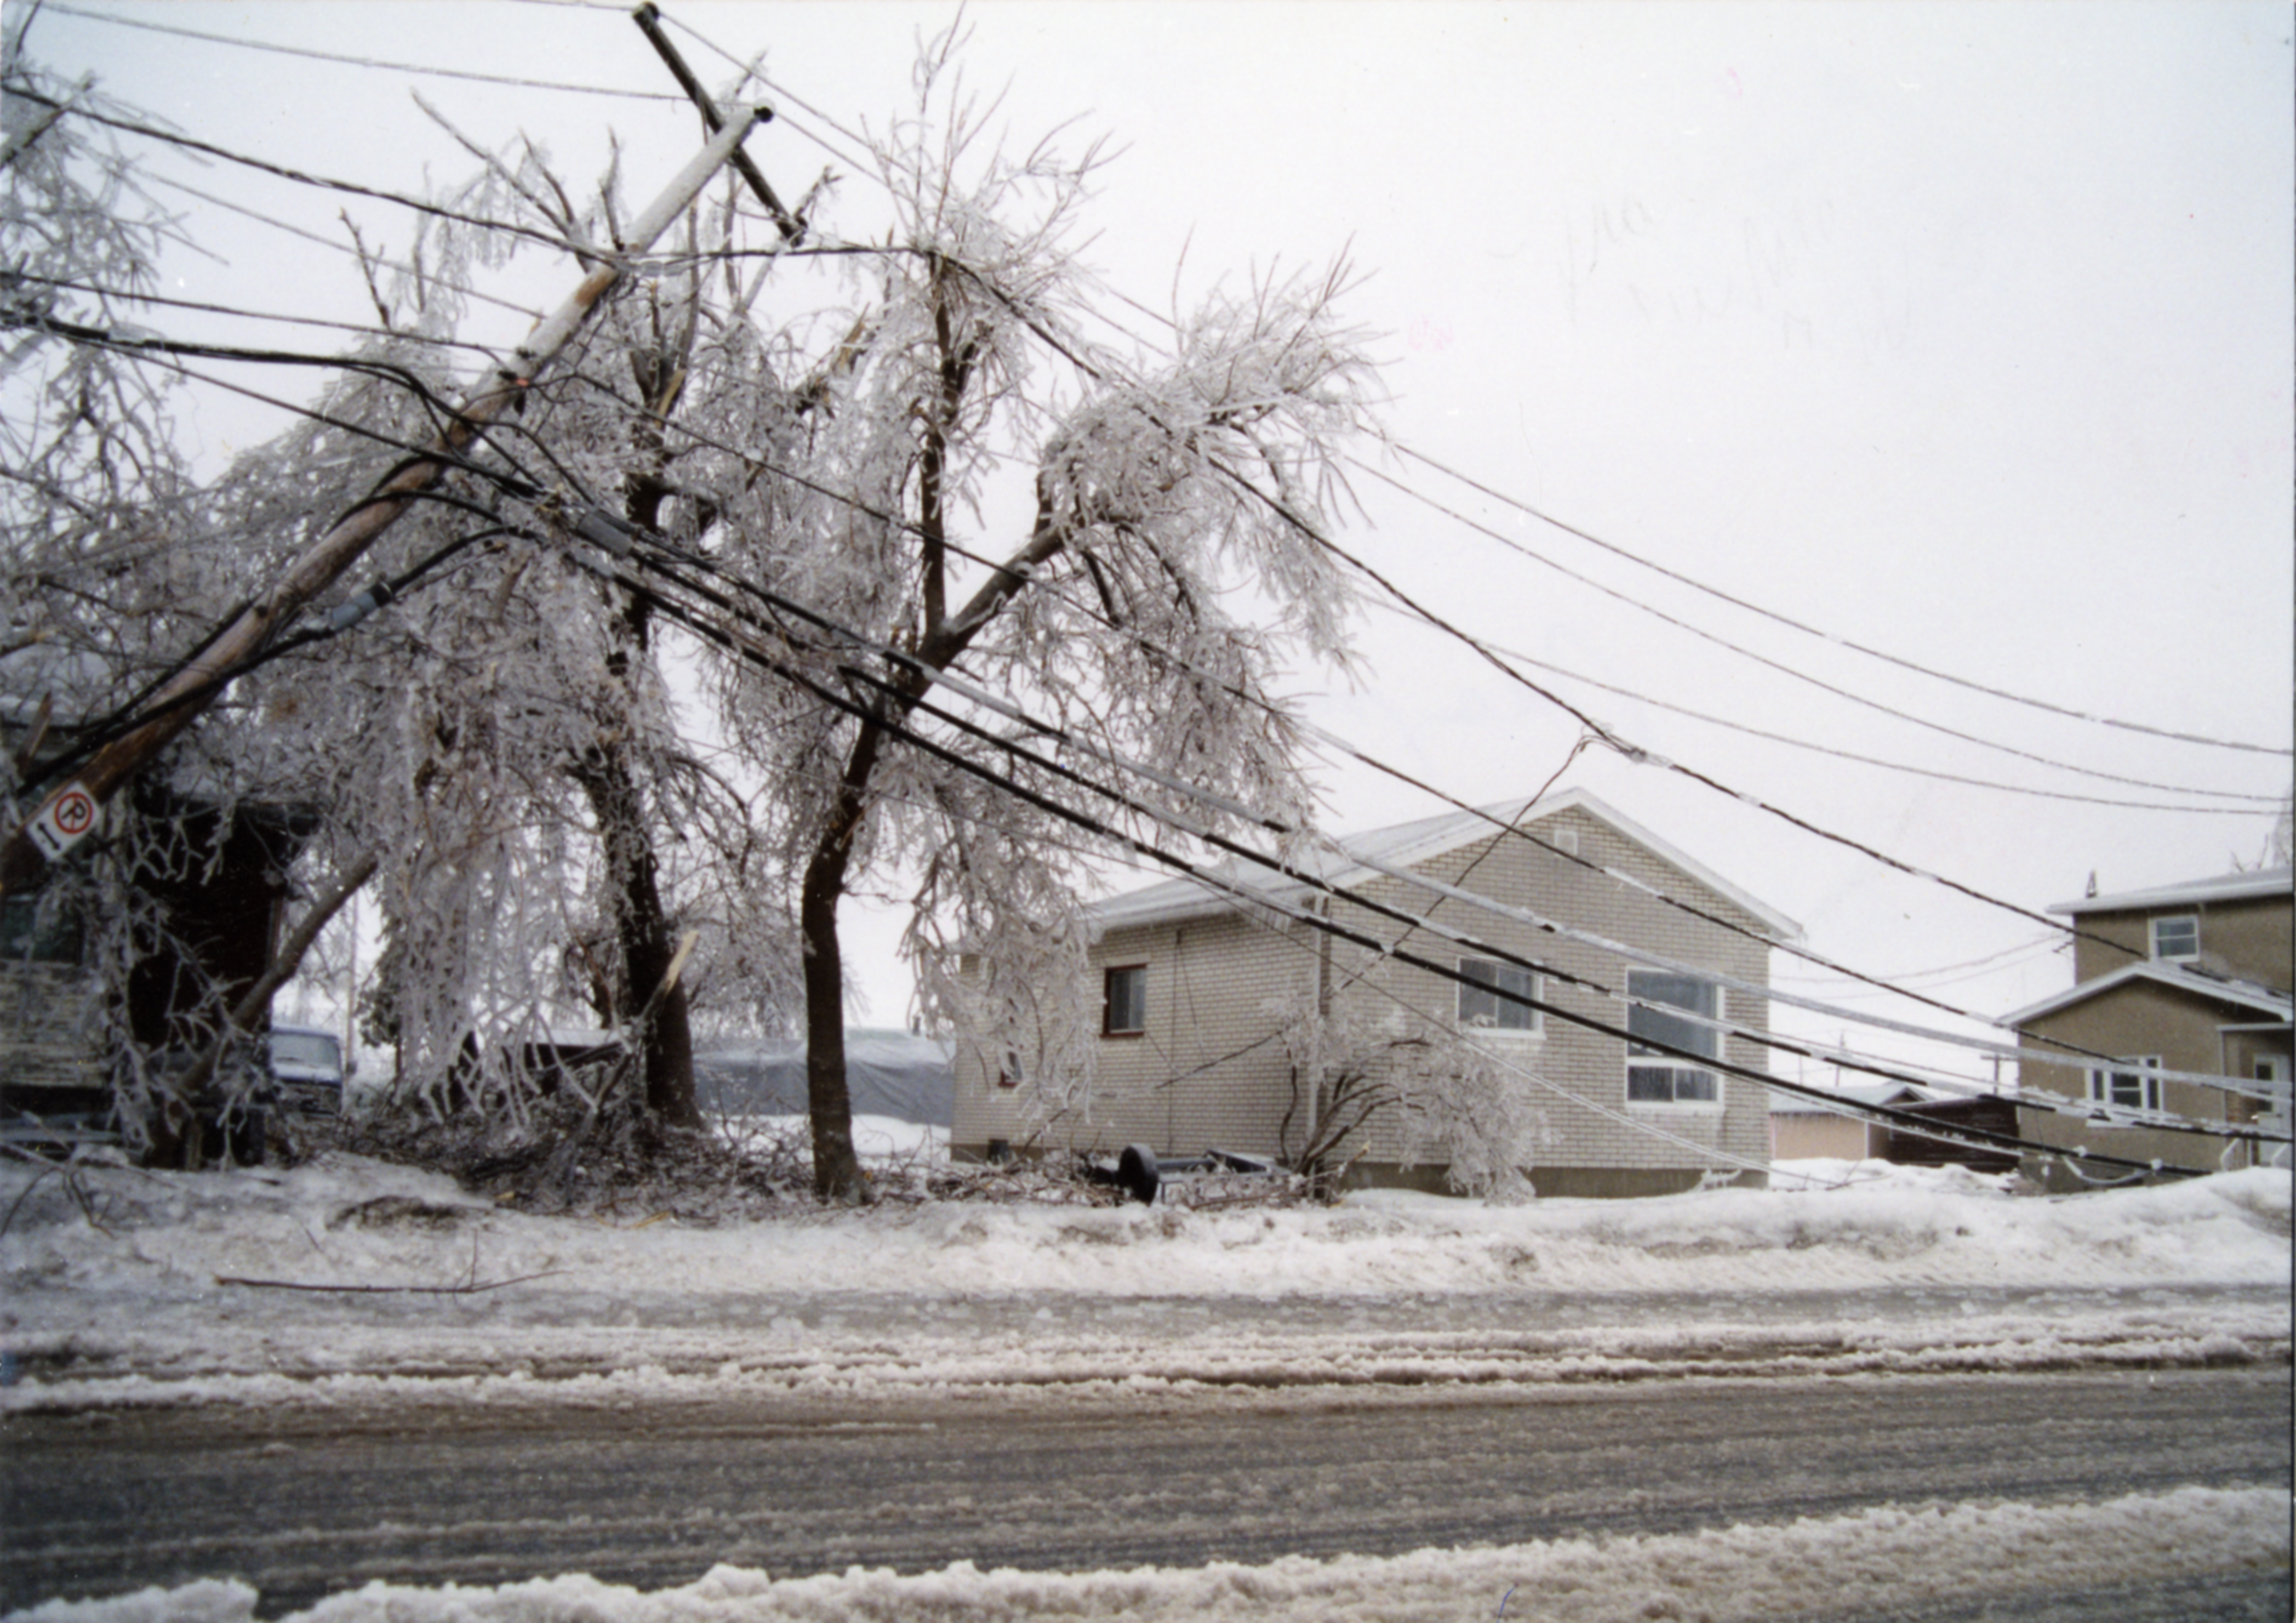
(2178, 937)
(1127, 1000)
(1650, 1083)
(1683, 991)
(1700, 1085)
(1498, 1007)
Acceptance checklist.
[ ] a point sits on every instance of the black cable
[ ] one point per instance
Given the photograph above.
(1089, 612)
(1755, 608)
(1763, 660)
(1902, 766)
(843, 640)
(361, 62)
(126, 718)
(350, 187)
(127, 296)
(900, 732)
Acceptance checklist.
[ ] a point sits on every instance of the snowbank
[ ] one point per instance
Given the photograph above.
(1879, 1562)
(344, 1280)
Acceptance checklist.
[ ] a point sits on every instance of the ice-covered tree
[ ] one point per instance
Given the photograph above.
(1443, 1098)
(101, 577)
(1164, 581)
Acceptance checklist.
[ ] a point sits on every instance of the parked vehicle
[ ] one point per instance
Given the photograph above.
(306, 1066)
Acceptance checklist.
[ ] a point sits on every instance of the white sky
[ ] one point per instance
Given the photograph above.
(1962, 332)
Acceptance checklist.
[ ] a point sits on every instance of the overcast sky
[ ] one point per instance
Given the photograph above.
(1960, 333)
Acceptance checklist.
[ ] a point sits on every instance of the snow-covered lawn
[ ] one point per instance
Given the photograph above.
(348, 1281)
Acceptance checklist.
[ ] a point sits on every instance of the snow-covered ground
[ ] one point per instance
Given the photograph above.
(352, 1285)
(349, 1282)
(1882, 1562)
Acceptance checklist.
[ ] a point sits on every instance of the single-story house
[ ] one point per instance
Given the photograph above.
(1807, 1129)
(2191, 978)
(1204, 1000)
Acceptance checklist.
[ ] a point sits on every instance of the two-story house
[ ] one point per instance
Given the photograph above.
(1195, 992)
(2189, 979)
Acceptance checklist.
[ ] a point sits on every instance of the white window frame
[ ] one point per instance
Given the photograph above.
(2141, 1070)
(2153, 931)
(1647, 1069)
(1481, 1009)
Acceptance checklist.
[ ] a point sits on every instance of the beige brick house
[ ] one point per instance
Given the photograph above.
(2189, 979)
(1195, 990)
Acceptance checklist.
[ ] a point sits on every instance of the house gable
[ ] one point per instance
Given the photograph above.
(1208, 1066)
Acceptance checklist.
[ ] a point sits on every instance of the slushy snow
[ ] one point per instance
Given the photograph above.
(352, 1285)
(1876, 1562)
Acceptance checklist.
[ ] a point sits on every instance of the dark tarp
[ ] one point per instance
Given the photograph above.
(887, 1073)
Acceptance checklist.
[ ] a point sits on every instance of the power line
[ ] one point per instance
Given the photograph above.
(1894, 766)
(902, 733)
(129, 296)
(1764, 660)
(844, 641)
(1755, 608)
(263, 166)
(358, 62)
(401, 266)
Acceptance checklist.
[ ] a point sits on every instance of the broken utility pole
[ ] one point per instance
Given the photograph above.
(72, 812)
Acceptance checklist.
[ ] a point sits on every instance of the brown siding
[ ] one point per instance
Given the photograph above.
(2247, 938)
(2140, 1018)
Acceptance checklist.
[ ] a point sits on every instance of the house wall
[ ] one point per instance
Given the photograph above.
(49, 1061)
(1822, 1136)
(1595, 1141)
(2142, 1018)
(2247, 938)
(1208, 1071)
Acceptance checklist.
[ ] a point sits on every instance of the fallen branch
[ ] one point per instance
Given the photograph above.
(463, 1289)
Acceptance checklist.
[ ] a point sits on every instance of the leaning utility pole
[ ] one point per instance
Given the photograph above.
(71, 812)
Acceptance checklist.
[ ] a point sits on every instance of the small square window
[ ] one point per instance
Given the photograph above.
(2176, 937)
(1124, 1006)
(1499, 999)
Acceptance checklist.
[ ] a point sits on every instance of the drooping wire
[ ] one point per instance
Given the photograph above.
(1763, 660)
(309, 54)
(1887, 765)
(900, 731)
(1713, 591)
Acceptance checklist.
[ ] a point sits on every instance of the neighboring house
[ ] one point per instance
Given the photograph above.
(1802, 1128)
(2190, 977)
(1807, 1129)
(1196, 990)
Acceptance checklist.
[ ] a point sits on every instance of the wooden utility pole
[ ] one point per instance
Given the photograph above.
(72, 811)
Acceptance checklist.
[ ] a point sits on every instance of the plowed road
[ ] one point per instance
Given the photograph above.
(301, 1505)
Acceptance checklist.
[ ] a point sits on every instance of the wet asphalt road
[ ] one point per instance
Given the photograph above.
(302, 1504)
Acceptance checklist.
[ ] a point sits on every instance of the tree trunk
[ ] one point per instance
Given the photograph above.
(837, 1174)
(642, 930)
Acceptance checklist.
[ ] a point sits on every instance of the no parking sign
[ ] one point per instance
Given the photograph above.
(68, 819)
